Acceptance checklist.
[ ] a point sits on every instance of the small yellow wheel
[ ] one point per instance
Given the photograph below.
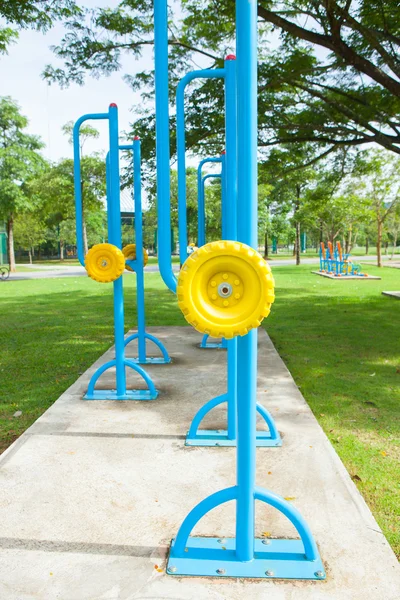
(104, 263)
(130, 254)
(225, 289)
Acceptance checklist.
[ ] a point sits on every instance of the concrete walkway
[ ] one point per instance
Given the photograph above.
(93, 492)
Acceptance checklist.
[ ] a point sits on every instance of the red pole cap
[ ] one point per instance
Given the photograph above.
(230, 57)
(223, 152)
(113, 105)
(136, 137)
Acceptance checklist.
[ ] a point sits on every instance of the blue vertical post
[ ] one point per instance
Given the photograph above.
(229, 165)
(201, 212)
(246, 52)
(224, 199)
(137, 190)
(162, 142)
(115, 238)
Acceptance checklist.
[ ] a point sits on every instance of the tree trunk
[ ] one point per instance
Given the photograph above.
(379, 244)
(298, 240)
(61, 249)
(266, 245)
(85, 241)
(366, 245)
(10, 244)
(394, 244)
(298, 243)
(30, 255)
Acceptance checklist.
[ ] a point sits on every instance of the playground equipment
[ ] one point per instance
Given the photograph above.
(106, 262)
(230, 218)
(334, 262)
(243, 556)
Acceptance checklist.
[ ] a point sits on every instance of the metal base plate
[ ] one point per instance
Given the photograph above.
(212, 345)
(129, 395)
(218, 437)
(151, 360)
(273, 559)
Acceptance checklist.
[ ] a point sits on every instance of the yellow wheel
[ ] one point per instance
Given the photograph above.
(104, 263)
(225, 289)
(130, 254)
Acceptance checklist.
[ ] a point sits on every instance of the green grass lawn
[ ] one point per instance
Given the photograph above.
(339, 339)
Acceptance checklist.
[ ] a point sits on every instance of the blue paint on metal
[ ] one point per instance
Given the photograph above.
(201, 222)
(181, 149)
(78, 180)
(138, 266)
(229, 231)
(245, 556)
(274, 559)
(162, 143)
(222, 345)
(114, 237)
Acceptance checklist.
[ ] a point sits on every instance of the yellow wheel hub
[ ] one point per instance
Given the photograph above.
(104, 263)
(225, 289)
(130, 254)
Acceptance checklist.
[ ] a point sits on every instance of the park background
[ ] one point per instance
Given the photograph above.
(328, 170)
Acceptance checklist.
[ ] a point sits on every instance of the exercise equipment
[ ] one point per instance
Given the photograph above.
(225, 289)
(230, 216)
(137, 262)
(335, 263)
(242, 556)
(106, 263)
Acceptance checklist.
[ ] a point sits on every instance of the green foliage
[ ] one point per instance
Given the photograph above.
(20, 160)
(32, 14)
(333, 79)
(29, 230)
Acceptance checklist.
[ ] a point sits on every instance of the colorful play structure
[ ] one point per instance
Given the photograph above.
(335, 263)
(224, 289)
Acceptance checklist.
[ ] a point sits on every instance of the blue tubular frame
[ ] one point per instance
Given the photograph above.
(181, 148)
(138, 266)
(201, 227)
(245, 556)
(114, 237)
(228, 437)
(201, 223)
(162, 143)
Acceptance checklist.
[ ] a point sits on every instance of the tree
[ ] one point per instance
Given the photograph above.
(20, 161)
(29, 231)
(86, 132)
(333, 80)
(31, 14)
(393, 227)
(381, 186)
(55, 189)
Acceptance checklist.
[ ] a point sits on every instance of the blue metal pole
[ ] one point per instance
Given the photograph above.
(201, 219)
(224, 200)
(181, 150)
(115, 238)
(246, 51)
(78, 180)
(137, 185)
(229, 216)
(162, 143)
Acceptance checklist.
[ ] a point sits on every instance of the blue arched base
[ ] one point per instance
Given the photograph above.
(272, 558)
(221, 437)
(206, 344)
(148, 394)
(149, 360)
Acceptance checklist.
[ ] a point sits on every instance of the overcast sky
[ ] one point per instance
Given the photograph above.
(48, 108)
